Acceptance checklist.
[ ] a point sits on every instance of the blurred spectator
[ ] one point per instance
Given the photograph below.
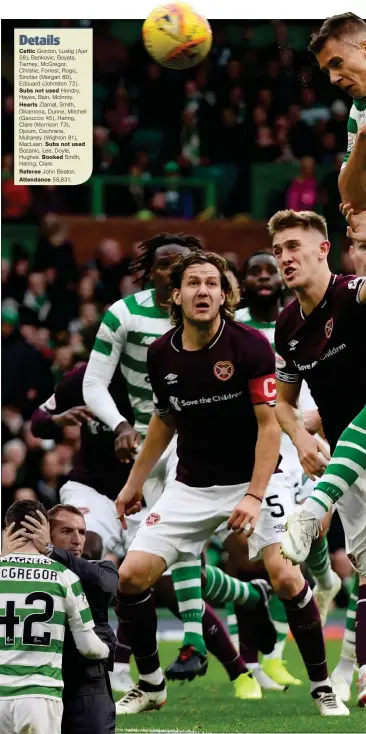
(16, 200)
(88, 316)
(118, 115)
(111, 268)
(302, 192)
(190, 154)
(173, 201)
(24, 369)
(35, 297)
(17, 280)
(51, 479)
(109, 54)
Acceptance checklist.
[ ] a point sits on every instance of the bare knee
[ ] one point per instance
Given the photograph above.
(287, 580)
(139, 571)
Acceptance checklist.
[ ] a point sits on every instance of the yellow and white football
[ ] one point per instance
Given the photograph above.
(177, 36)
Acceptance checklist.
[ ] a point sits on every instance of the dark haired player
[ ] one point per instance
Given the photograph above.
(223, 378)
(340, 48)
(128, 328)
(320, 336)
(38, 597)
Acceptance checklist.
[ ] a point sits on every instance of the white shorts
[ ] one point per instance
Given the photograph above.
(30, 715)
(352, 511)
(184, 518)
(163, 471)
(99, 512)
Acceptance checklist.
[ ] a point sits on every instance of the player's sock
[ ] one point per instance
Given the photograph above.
(232, 623)
(345, 466)
(219, 587)
(187, 585)
(248, 644)
(279, 619)
(361, 626)
(138, 615)
(318, 562)
(219, 644)
(304, 621)
(123, 650)
(346, 664)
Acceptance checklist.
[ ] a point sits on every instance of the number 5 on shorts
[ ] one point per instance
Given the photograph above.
(272, 502)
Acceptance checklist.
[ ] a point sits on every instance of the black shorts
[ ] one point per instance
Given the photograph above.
(89, 707)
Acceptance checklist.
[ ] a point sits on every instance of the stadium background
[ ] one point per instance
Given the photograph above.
(213, 151)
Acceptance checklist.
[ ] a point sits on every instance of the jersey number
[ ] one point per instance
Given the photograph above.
(272, 503)
(11, 619)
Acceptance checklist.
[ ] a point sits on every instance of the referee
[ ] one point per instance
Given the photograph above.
(88, 702)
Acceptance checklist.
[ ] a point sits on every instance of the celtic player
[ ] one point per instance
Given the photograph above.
(340, 48)
(38, 596)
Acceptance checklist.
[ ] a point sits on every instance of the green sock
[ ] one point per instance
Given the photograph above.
(220, 587)
(345, 466)
(319, 563)
(232, 624)
(186, 579)
(279, 619)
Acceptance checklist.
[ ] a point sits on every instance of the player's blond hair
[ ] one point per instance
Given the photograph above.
(197, 258)
(288, 218)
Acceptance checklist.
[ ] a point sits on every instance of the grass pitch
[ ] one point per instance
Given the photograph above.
(208, 704)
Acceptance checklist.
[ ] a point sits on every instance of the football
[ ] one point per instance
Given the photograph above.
(177, 36)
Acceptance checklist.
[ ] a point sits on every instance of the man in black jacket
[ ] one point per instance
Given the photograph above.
(87, 698)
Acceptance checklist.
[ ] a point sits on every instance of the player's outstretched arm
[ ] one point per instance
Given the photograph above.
(80, 619)
(352, 178)
(104, 358)
(159, 435)
(313, 454)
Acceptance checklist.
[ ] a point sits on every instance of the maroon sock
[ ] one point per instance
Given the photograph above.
(247, 637)
(138, 616)
(361, 626)
(304, 622)
(123, 649)
(219, 644)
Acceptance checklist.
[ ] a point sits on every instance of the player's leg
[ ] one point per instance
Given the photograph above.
(217, 640)
(136, 610)
(186, 577)
(302, 612)
(305, 624)
(342, 675)
(37, 715)
(272, 663)
(318, 561)
(361, 636)
(347, 464)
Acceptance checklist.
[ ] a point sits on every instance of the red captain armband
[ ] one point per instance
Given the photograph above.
(263, 390)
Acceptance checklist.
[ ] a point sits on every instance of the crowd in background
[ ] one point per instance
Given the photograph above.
(241, 106)
(244, 104)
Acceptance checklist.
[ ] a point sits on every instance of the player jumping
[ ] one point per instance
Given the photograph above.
(319, 335)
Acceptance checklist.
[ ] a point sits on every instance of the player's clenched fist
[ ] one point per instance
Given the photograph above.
(312, 453)
(245, 515)
(128, 502)
(126, 442)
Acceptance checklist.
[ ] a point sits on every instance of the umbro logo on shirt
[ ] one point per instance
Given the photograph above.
(171, 379)
(292, 344)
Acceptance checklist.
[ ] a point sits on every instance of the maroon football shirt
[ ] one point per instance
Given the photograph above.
(211, 393)
(328, 350)
(96, 463)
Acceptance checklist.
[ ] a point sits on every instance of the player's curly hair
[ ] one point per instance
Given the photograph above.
(201, 258)
(148, 248)
(335, 27)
